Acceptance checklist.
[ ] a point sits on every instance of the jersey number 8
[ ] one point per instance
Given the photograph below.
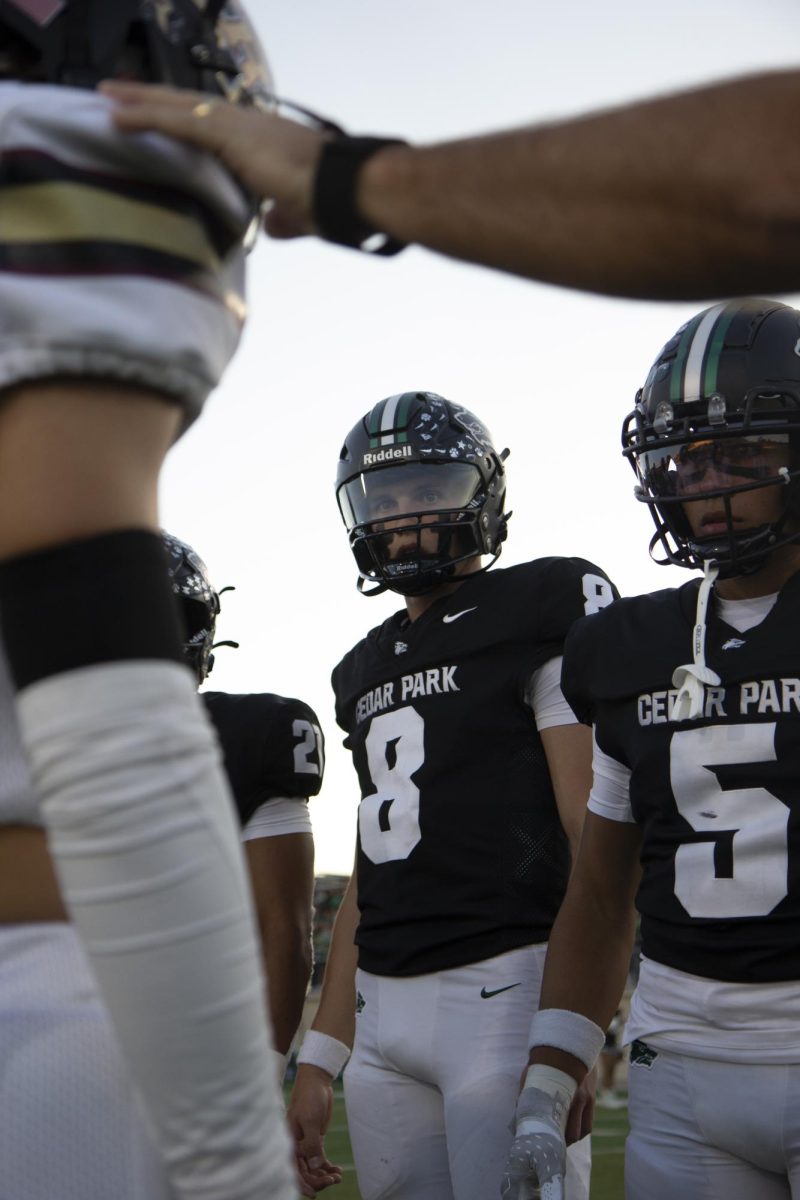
(388, 821)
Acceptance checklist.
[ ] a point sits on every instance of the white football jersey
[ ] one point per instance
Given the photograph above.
(120, 255)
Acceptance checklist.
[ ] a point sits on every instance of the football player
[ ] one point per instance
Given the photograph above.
(121, 301)
(474, 777)
(694, 694)
(273, 752)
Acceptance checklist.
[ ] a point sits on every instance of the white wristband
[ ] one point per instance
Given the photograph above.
(568, 1031)
(321, 1050)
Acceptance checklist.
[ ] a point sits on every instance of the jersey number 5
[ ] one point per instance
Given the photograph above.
(388, 821)
(754, 820)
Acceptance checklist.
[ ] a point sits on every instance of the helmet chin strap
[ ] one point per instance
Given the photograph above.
(380, 586)
(691, 678)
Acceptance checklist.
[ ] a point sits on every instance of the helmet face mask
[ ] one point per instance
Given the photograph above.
(731, 442)
(203, 45)
(421, 490)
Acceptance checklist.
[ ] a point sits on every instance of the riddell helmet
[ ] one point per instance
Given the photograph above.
(204, 45)
(724, 393)
(199, 603)
(419, 467)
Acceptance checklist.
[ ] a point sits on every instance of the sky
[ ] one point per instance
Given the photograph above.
(551, 372)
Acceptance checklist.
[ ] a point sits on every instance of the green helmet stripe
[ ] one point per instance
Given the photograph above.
(715, 349)
(403, 410)
(698, 351)
(374, 423)
(387, 422)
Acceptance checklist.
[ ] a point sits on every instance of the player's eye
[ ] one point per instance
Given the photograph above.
(742, 452)
(430, 497)
(383, 505)
(695, 458)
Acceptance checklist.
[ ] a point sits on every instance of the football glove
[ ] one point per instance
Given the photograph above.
(537, 1159)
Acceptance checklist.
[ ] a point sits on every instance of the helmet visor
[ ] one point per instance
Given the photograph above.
(711, 465)
(407, 490)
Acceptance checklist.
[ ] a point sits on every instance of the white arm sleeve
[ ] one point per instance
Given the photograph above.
(610, 794)
(142, 831)
(544, 695)
(277, 817)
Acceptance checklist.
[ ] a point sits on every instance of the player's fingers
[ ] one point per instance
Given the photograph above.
(191, 117)
(279, 223)
(305, 1189)
(320, 1176)
(131, 94)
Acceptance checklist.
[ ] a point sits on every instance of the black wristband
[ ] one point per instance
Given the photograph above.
(334, 199)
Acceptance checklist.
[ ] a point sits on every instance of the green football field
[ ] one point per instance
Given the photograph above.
(608, 1139)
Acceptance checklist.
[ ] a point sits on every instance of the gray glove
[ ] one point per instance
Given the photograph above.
(537, 1160)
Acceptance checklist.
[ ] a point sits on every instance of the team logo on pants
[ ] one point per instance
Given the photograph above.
(642, 1055)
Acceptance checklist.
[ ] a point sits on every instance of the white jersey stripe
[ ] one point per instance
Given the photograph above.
(387, 418)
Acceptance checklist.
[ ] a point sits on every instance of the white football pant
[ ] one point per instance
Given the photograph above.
(432, 1084)
(704, 1130)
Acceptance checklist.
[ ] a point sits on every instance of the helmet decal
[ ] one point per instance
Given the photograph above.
(198, 601)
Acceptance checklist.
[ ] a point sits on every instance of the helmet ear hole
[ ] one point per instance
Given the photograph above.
(195, 616)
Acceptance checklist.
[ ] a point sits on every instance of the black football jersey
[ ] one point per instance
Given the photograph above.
(461, 854)
(272, 746)
(717, 798)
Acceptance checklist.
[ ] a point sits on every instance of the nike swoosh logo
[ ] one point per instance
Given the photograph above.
(454, 616)
(487, 995)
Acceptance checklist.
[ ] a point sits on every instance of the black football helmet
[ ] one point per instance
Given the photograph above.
(203, 45)
(418, 464)
(722, 396)
(199, 604)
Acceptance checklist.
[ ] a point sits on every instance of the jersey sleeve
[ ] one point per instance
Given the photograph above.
(579, 667)
(562, 591)
(277, 818)
(272, 747)
(610, 794)
(545, 697)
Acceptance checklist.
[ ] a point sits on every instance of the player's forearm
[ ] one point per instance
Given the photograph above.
(685, 196)
(588, 955)
(337, 1006)
(288, 962)
(588, 958)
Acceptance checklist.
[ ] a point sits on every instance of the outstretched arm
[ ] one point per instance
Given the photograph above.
(680, 197)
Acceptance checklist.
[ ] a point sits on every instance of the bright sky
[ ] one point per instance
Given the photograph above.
(551, 372)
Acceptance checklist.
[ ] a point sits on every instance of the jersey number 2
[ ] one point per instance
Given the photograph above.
(308, 755)
(754, 820)
(388, 821)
